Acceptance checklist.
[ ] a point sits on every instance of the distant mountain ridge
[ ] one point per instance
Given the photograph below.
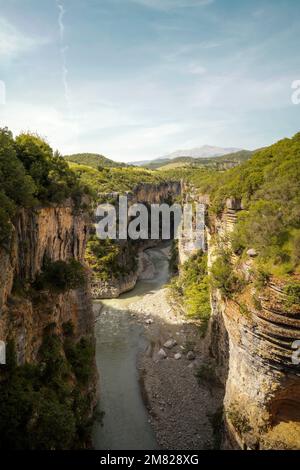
(206, 151)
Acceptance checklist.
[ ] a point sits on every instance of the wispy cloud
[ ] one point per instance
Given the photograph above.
(172, 4)
(13, 42)
(63, 50)
(61, 15)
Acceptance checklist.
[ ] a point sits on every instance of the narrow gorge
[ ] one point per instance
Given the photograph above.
(151, 344)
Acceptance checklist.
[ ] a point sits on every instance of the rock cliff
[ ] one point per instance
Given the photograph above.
(54, 233)
(251, 337)
(146, 194)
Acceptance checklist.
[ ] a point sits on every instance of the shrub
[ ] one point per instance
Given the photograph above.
(109, 259)
(292, 292)
(223, 277)
(80, 357)
(61, 276)
(191, 288)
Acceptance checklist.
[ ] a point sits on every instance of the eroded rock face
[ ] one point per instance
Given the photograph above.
(145, 194)
(113, 288)
(251, 337)
(262, 399)
(55, 233)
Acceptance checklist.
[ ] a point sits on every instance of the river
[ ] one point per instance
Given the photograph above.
(119, 339)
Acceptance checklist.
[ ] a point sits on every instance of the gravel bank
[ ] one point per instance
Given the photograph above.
(180, 408)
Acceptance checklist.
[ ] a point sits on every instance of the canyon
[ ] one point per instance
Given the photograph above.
(248, 340)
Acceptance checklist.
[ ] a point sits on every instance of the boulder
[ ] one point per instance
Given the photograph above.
(162, 354)
(170, 343)
(177, 356)
(191, 355)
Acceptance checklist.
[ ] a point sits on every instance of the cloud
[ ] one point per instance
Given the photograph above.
(61, 15)
(14, 42)
(63, 51)
(172, 4)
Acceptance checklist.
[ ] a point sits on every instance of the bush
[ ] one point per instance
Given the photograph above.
(80, 357)
(109, 259)
(61, 276)
(191, 287)
(223, 277)
(292, 292)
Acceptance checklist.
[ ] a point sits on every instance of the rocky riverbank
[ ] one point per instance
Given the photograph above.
(182, 407)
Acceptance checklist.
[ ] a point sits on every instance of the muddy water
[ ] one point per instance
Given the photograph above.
(119, 338)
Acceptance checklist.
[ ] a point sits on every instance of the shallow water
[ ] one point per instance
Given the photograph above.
(119, 338)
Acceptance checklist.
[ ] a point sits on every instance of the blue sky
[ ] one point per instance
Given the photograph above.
(136, 79)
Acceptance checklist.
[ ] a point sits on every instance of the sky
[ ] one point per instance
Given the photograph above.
(137, 79)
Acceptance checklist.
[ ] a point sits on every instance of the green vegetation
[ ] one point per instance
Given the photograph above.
(191, 288)
(109, 180)
(217, 163)
(292, 291)
(223, 277)
(80, 356)
(42, 406)
(109, 259)
(61, 276)
(268, 187)
(94, 160)
(31, 174)
(238, 419)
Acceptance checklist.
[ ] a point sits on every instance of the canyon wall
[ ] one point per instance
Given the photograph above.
(53, 233)
(147, 194)
(251, 337)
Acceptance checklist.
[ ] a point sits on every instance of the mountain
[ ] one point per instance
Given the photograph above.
(224, 161)
(94, 160)
(206, 151)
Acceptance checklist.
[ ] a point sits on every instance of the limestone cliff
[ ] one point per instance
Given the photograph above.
(54, 233)
(251, 337)
(147, 194)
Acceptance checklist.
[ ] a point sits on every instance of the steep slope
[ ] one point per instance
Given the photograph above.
(48, 383)
(253, 257)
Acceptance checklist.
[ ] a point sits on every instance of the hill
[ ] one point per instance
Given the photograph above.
(268, 185)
